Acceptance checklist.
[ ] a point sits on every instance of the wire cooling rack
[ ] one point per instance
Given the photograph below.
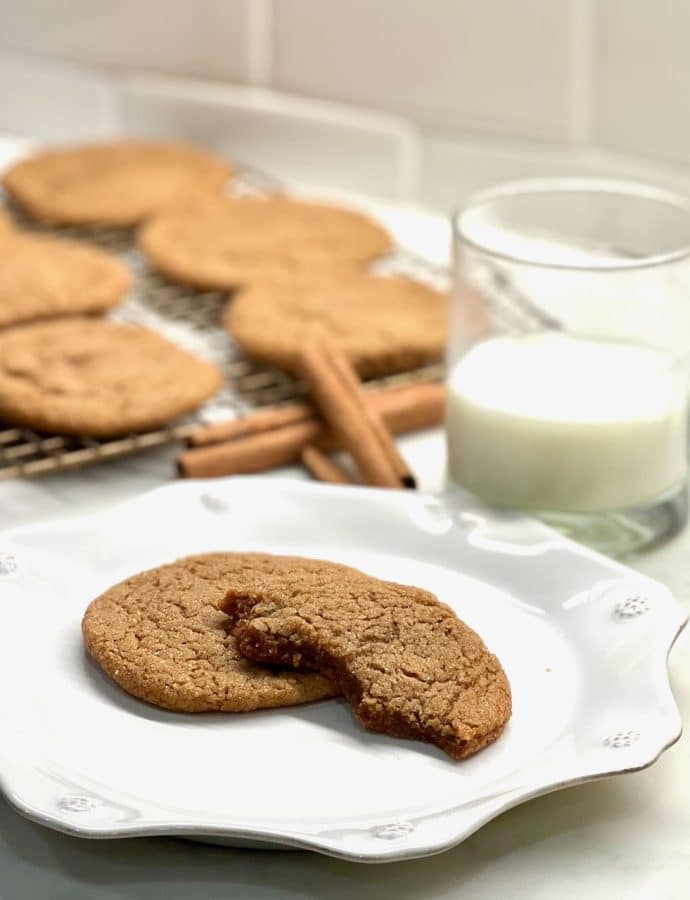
(192, 319)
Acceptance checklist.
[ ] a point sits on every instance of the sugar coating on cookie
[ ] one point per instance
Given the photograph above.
(227, 242)
(406, 663)
(385, 325)
(97, 377)
(160, 636)
(42, 277)
(118, 183)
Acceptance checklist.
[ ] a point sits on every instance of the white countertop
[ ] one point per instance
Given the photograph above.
(621, 837)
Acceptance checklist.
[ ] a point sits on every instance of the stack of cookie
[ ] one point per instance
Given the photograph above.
(233, 632)
(92, 377)
(286, 264)
(290, 264)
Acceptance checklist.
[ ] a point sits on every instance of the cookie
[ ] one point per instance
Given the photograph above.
(226, 242)
(118, 183)
(6, 226)
(96, 377)
(385, 325)
(408, 666)
(43, 277)
(160, 637)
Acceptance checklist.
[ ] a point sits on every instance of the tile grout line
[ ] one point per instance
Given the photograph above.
(582, 71)
(259, 42)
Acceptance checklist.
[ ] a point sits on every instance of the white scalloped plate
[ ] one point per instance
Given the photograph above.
(584, 642)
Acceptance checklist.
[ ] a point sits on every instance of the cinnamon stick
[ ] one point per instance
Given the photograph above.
(373, 418)
(403, 409)
(255, 423)
(292, 413)
(337, 394)
(408, 408)
(322, 467)
(256, 453)
(340, 410)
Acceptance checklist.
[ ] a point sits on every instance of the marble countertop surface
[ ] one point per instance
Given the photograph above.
(620, 837)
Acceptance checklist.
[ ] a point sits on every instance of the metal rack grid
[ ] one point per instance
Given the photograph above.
(192, 319)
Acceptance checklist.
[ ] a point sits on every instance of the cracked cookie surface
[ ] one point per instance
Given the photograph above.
(42, 277)
(384, 325)
(160, 636)
(407, 665)
(118, 183)
(98, 378)
(227, 242)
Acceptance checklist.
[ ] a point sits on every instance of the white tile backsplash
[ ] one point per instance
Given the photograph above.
(187, 37)
(642, 77)
(451, 171)
(56, 101)
(297, 139)
(495, 66)
(500, 89)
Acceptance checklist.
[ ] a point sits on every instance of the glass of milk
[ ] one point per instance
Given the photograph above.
(568, 356)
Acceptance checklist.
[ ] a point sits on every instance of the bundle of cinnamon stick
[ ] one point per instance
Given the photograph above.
(343, 417)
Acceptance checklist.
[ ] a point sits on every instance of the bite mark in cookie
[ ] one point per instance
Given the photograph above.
(408, 666)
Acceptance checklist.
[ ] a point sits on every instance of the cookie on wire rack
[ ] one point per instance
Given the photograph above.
(97, 378)
(119, 183)
(226, 242)
(43, 277)
(384, 324)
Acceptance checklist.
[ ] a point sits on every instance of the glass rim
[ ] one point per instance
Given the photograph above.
(572, 184)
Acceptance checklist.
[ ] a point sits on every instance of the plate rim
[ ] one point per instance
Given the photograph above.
(291, 838)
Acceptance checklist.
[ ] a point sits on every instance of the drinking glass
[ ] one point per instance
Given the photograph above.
(568, 356)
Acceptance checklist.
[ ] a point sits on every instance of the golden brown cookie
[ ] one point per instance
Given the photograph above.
(227, 242)
(42, 277)
(160, 637)
(6, 225)
(96, 377)
(384, 325)
(406, 663)
(118, 183)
